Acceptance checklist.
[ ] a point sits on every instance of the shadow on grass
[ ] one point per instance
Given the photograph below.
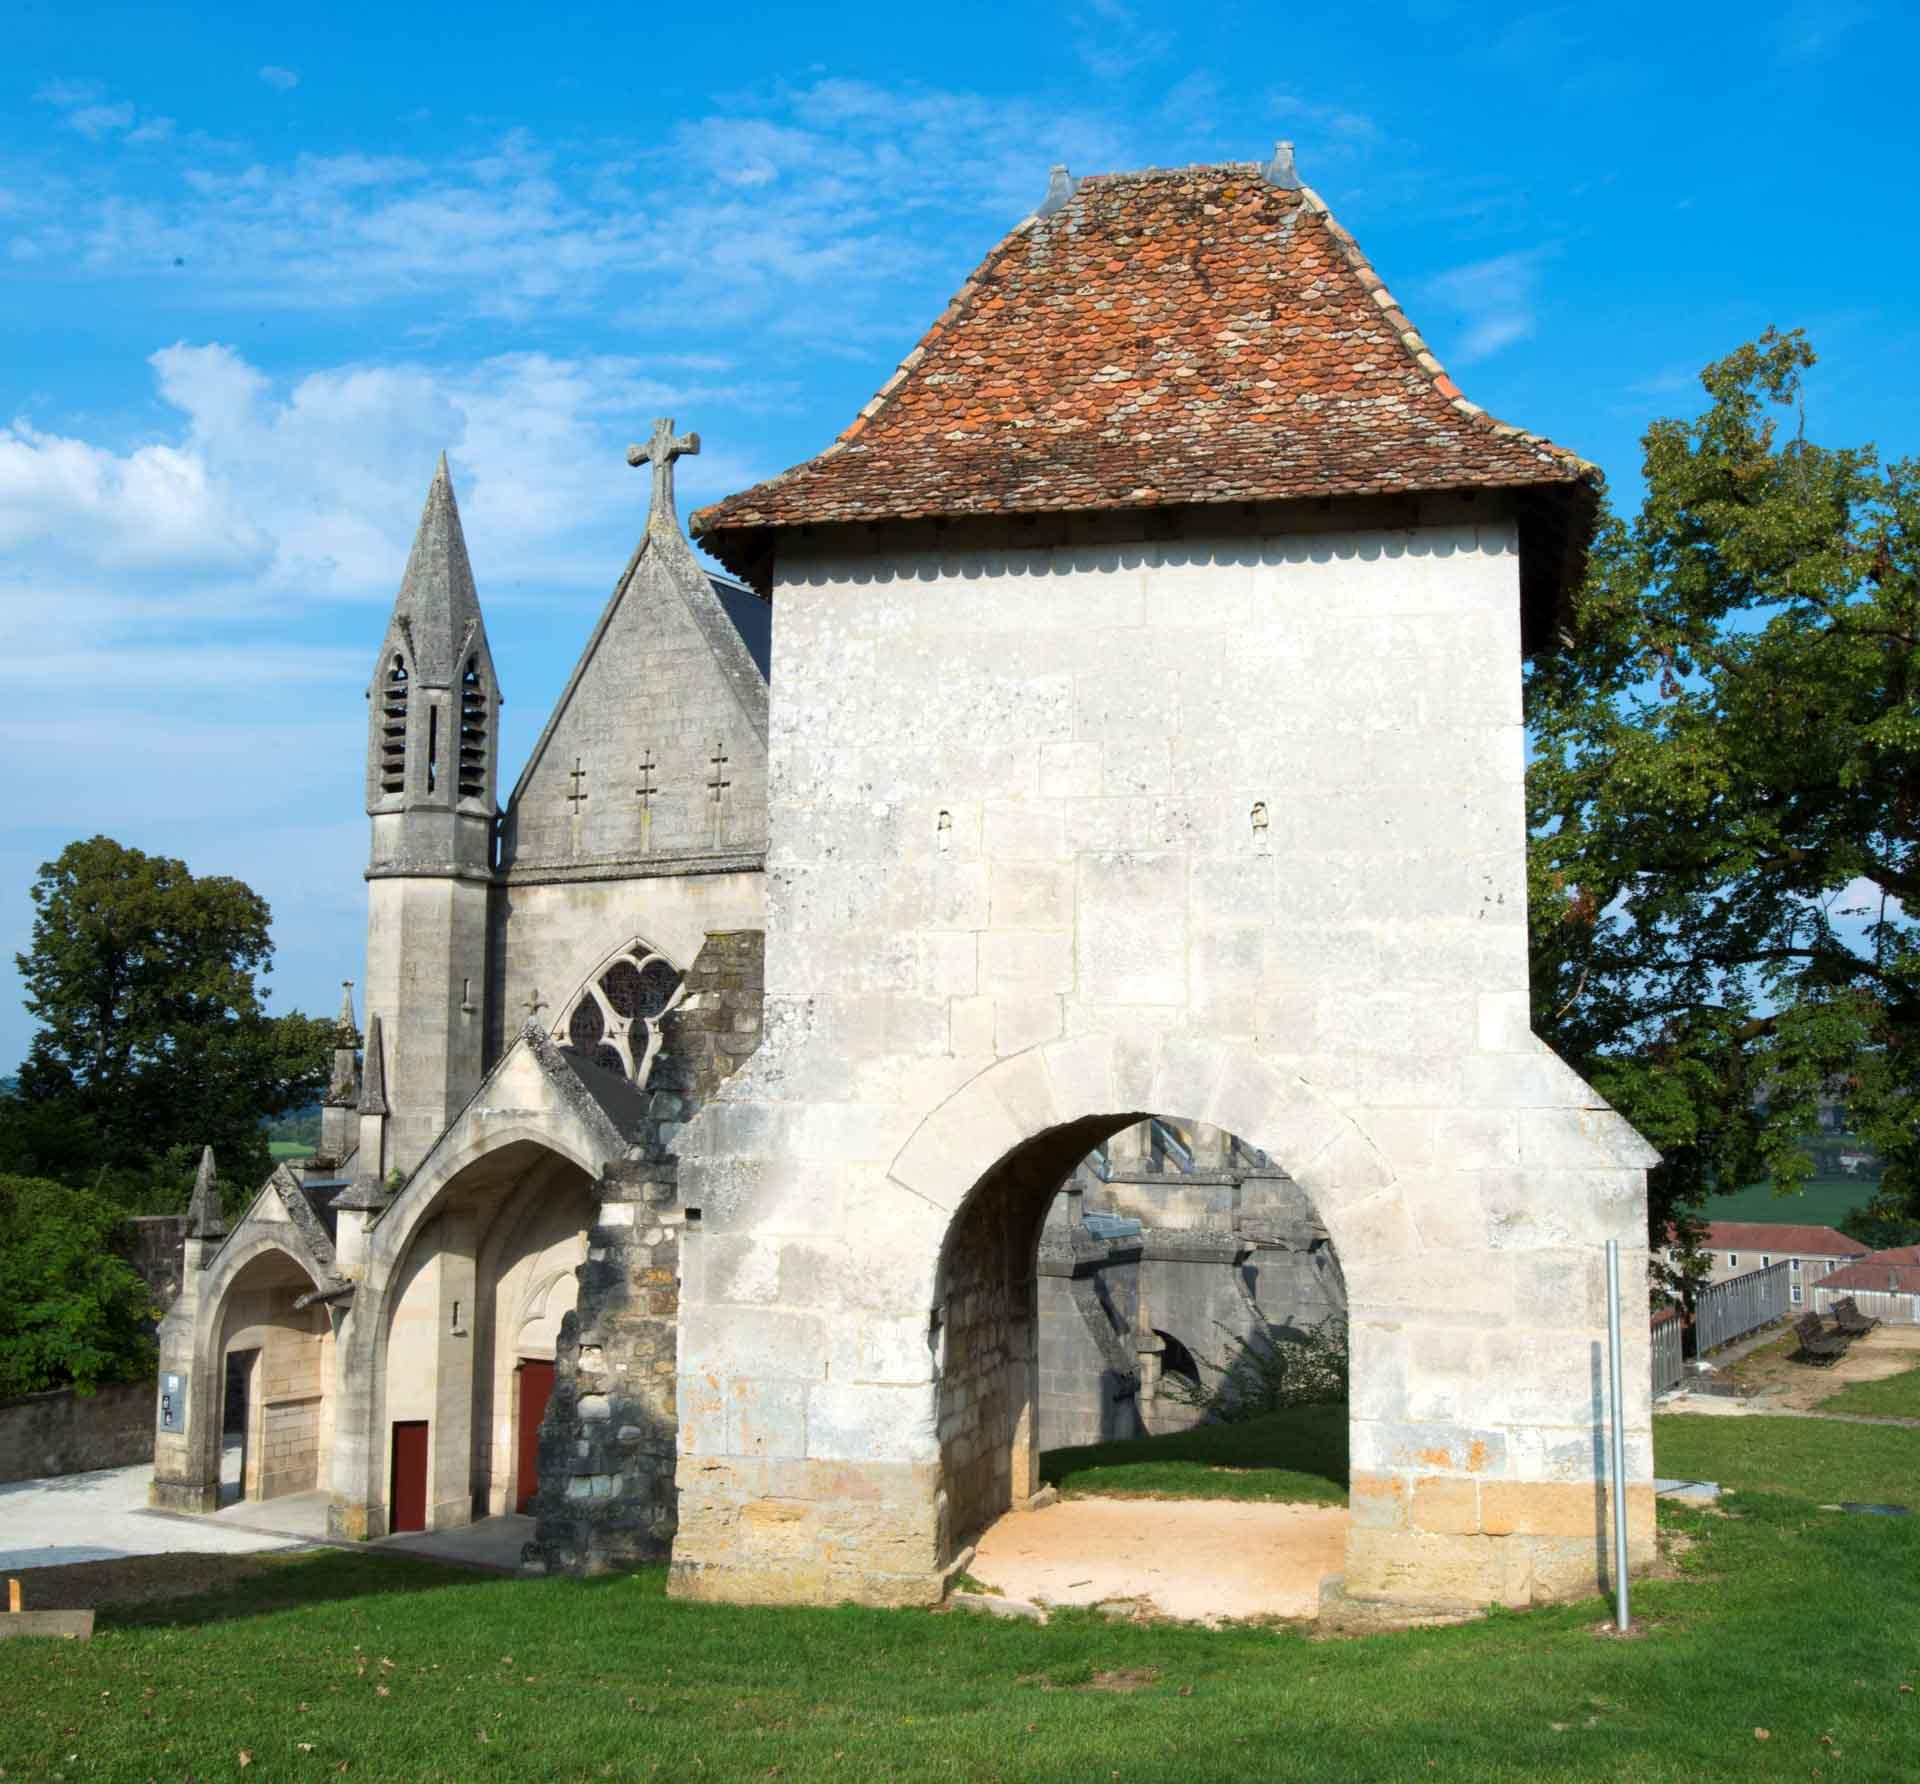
(1299, 1455)
(189, 1590)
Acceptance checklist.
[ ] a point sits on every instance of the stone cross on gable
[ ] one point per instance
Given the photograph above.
(661, 449)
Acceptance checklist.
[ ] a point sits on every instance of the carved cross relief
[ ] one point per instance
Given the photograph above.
(719, 784)
(647, 788)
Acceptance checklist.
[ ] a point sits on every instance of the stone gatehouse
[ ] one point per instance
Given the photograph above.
(1137, 738)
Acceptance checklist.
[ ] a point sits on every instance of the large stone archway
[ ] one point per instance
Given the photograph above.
(261, 1292)
(1475, 1414)
(426, 1344)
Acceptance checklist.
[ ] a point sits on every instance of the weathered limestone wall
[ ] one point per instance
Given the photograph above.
(290, 1364)
(426, 981)
(1228, 828)
(550, 936)
(665, 681)
(530, 1276)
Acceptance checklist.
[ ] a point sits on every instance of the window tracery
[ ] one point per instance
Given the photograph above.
(615, 1018)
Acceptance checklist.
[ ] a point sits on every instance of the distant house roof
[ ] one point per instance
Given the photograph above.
(1789, 1241)
(1896, 1271)
(1180, 336)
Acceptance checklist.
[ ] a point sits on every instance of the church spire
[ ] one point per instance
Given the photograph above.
(434, 703)
(432, 750)
(437, 599)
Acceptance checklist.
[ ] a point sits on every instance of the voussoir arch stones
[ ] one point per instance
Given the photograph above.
(1112, 1076)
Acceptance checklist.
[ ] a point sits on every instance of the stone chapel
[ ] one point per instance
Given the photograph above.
(1111, 741)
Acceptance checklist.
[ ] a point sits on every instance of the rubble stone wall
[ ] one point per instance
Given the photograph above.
(608, 1443)
(67, 1433)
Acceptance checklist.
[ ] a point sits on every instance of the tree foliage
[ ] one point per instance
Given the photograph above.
(1268, 1369)
(1725, 798)
(75, 1312)
(153, 1038)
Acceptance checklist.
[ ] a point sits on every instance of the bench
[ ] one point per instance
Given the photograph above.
(1817, 1344)
(1849, 1319)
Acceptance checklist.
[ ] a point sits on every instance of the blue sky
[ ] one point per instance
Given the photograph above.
(255, 274)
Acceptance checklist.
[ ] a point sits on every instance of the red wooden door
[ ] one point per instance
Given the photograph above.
(409, 1497)
(536, 1388)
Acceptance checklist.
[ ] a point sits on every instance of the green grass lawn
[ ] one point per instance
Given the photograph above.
(1298, 1455)
(1897, 1396)
(1782, 1618)
(283, 1150)
(1807, 1458)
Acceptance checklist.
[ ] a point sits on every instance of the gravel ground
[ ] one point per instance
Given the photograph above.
(1196, 1559)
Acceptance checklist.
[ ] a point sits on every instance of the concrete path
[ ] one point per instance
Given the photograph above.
(103, 1516)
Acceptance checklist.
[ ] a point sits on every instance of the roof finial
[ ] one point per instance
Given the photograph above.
(1061, 187)
(662, 448)
(203, 1212)
(373, 1076)
(1280, 170)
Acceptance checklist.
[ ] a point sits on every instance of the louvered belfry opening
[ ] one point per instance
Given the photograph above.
(393, 728)
(473, 732)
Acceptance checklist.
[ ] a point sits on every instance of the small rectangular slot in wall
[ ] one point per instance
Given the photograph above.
(433, 747)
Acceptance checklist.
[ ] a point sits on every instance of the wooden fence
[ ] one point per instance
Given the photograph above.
(1724, 1311)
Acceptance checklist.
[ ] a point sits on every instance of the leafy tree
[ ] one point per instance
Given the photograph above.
(1725, 799)
(75, 1313)
(153, 1040)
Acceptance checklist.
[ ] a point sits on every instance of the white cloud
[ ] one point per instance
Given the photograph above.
(186, 621)
(1860, 901)
(1811, 29)
(1333, 128)
(151, 508)
(89, 111)
(96, 121)
(282, 80)
(1493, 301)
(812, 202)
(69, 93)
(1113, 40)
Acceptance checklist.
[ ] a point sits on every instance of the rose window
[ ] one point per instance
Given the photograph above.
(615, 1021)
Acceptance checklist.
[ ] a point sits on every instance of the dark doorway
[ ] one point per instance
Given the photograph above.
(536, 1389)
(409, 1496)
(234, 1422)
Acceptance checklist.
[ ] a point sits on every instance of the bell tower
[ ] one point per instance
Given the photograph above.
(432, 762)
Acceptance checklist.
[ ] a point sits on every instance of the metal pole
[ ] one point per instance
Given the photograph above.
(1621, 1616)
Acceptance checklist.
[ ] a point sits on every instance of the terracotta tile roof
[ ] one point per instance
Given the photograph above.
(1166, 338)
(1782, 1240)
(1883, 1272)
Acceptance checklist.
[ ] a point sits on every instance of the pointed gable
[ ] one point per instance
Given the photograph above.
(656, 752)
(1179, 337)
